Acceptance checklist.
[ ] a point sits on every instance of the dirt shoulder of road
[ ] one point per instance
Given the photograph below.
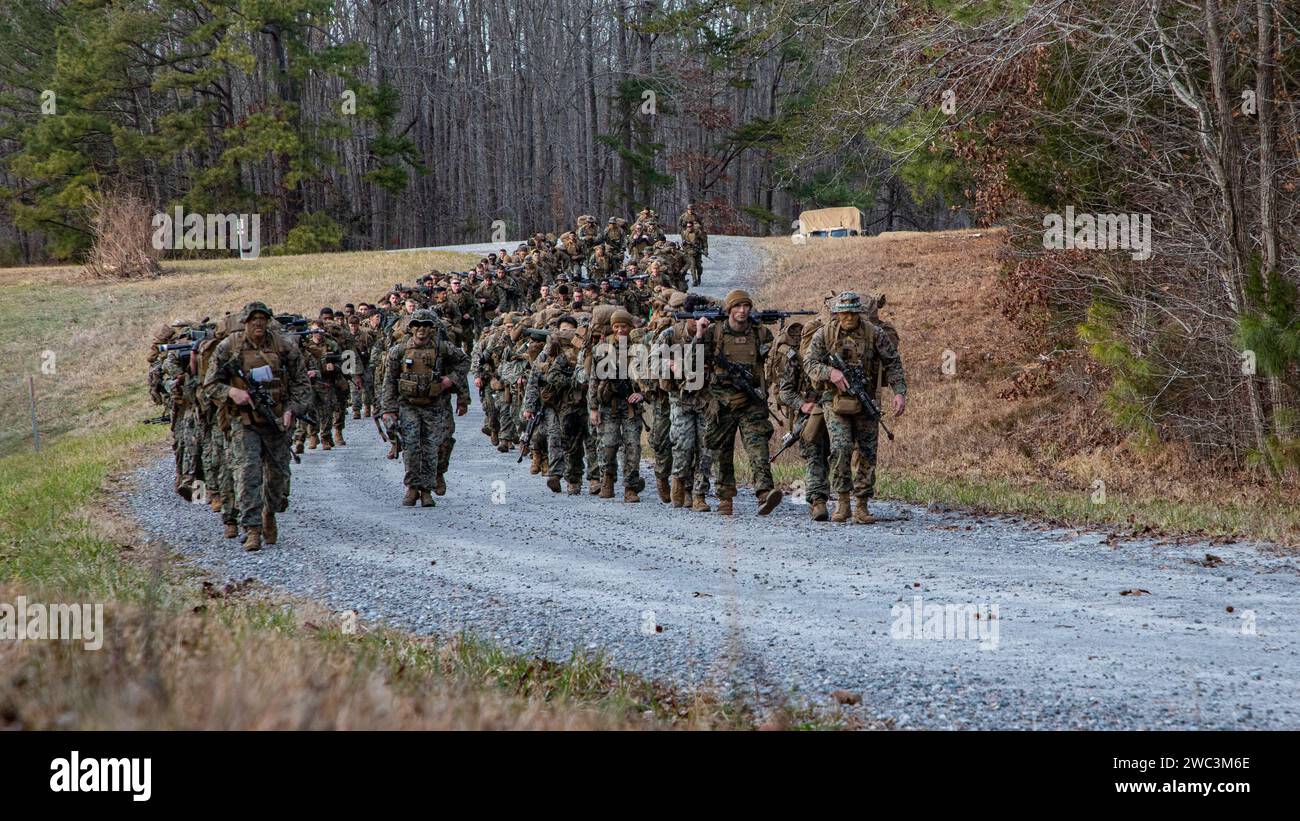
(1010, 430)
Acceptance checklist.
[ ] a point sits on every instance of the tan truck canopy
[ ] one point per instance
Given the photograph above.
(831, 219)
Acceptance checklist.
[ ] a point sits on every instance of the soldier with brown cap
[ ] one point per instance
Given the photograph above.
(734, 350)
(259, 446)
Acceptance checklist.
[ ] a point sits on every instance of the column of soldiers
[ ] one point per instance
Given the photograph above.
(542, 329)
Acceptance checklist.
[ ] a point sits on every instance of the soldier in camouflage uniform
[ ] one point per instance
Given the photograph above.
(557, 389)
(745, 343)
(798, 394)
(321, 357)
(858, 342)
(614, 405)
(259, 448)
(654, 389)
(688, 399)
(695, 245)
(420, 376)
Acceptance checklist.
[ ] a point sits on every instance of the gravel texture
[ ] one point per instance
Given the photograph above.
(782, 607)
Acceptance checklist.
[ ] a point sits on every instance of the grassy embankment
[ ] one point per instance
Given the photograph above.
(961, 444)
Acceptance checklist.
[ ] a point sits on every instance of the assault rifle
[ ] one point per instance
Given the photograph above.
(392, 434)
(524, 444)
(789, 439)
(260, 401)
(742, 379)
(860, 388)
(164, 419)
(718, 314)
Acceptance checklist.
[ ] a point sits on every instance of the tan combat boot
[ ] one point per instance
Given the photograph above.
(338, 437)
(630, 495)
(861, 512)
(678, 493)
(700, 505)
(426, 499)
(297, 447)
(553, 483)
(253, 538)
(575, 488)
(412, 496)
(311, 441)
(214, 502)
(231, 531)
(392, 451)
(356, 413)
(607, 487)
(326, 444)
(535, 466)
(440, 485)
(368, 411)
(546, 463)
(768, 503)
(724, 500)
(661, 485)
(817, 510)
(593, 486)
(841, 513)
(495, 439)
(269, 530)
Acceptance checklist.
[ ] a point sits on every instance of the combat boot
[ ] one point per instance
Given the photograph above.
(818, 511)
(535, 467)
(546, 463)
(768, 503)
(231, 531)
(678, 493)
(724, 507)
(214, 502)
(861, 513)
(269, 530)
(426, 499)
(338, 437)
(496, 440)
(297, 446)
(392, 451)
(554, 484)
(607, 487)
(311, 441)
(575, 488)
(253, 538)
(700, 504)
(412, 496)
(326, 444)
(440, 485)
(630, 495)
(368, 411)
(593, 486)
(504, 447)
(841, 513)
(356, 413)
(661, 485)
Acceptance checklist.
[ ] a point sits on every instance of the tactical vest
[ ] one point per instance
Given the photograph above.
(250, 358)
(856, 347)
(420, 380)
(740, 348)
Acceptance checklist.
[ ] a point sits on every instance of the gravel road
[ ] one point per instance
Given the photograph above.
(781, 607)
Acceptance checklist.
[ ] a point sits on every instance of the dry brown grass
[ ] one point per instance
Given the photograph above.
(941, 293)
(98, 332)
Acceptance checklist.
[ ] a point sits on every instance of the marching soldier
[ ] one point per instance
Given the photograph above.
(734, 349)
(614, 405)
(420, 375)
(259, 445)
(857, 342)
